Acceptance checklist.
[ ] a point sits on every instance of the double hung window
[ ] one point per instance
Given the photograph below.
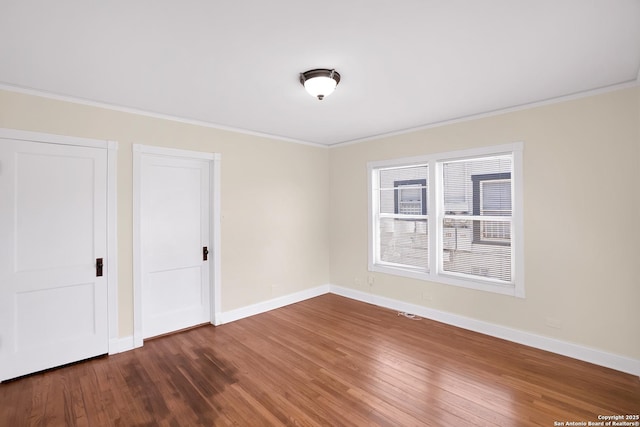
(402, 216)
(453, 218)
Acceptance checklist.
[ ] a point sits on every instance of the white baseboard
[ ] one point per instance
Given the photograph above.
(587, 354)
(118, 345)
(261, 307)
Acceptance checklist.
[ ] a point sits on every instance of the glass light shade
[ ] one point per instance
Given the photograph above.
(320, 87)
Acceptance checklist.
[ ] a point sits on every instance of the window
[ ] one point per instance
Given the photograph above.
(492, 197)
(453, 218)
(411, 196)
(402, 230)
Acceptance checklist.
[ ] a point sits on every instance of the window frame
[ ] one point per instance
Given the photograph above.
(436, 215)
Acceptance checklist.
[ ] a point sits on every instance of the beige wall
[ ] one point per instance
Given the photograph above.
(582, 220)
(295, 216)
(274, 195)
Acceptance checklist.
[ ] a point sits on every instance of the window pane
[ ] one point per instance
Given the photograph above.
(478, 187)
(404, 190)
(462, 255)
(404, 242)
(461, 184)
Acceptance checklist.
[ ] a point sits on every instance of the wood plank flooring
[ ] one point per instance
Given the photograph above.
(328, 361)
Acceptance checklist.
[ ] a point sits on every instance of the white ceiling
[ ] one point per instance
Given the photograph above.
(235, 64)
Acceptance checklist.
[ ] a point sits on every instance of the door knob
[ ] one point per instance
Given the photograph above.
(99, 265)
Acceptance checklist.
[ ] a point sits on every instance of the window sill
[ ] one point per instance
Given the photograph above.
(480, 285)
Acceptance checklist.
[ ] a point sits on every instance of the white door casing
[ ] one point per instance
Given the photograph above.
(55, 221)
(173, 212)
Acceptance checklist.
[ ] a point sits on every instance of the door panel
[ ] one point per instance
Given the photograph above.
(164, 299)
(174, 224)
(42, 222)
(53, 308)
(54, 303)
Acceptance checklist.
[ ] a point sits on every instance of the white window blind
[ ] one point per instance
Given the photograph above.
(402, 217)
(480, 221)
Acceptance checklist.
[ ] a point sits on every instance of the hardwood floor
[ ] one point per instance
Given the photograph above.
(328, 361)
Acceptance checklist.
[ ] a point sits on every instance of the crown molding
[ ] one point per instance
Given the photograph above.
(578, 95)
(140, 112)
(550, 101)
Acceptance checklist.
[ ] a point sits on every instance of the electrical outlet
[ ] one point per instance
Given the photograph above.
(371, 280)
(426, 296)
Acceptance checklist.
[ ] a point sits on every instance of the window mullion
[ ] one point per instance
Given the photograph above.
(435, 204)
(374, 221)
(517, 245)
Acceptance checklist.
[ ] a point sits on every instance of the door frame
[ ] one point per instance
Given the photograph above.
(114, 345)
(214, 200)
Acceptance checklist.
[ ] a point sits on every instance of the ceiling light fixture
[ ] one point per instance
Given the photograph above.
(320, 82)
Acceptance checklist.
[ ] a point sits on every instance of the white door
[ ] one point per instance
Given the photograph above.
(53, 228)
(174, 232)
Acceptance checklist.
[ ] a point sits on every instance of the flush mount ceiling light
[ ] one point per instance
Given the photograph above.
(320, 82)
